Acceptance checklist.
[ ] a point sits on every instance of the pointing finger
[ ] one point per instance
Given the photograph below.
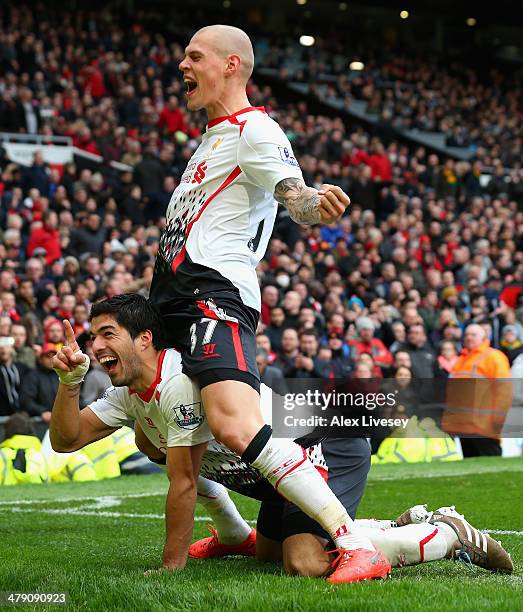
(70, 338)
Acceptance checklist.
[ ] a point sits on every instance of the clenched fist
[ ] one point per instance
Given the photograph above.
(333, 203)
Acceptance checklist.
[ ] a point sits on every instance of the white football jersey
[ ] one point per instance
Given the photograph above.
(221, 215)
(170, 412)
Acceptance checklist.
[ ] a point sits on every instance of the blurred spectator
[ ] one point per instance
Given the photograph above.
(40, 385)
(54, 332)
(446, 359)
(339, 362)
(46, 236)
(306, 363)
(262, 341)
(399, 334)
(362, 369)
(23, 353)
(291, 307)
(149, 173)
(422, 356)
(156, 207)
(11, 375)
(268, 374)
(172, 118)
(276, 328)
(510, 342)
(89, 237)
(8, 306)
(37, 175)
(367, 343)
(270, 296)
(403, 376)
(368, 359)
(46, 303)
(289, 352)
(475, 406)
(402, 359)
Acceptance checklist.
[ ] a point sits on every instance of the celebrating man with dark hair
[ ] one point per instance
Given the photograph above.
(126, 333)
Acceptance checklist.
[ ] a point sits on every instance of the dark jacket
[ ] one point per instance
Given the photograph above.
(36, 176)
(39, 391)
(149, 174)
(270, 375)
(320, 370)
(423, 360)
(85, 240)
(274, 334)
(9, 396)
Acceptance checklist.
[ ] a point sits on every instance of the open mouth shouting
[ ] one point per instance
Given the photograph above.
(109, 363)
(191, 85)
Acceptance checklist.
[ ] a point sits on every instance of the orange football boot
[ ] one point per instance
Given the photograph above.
(210, 548)
(357, 565)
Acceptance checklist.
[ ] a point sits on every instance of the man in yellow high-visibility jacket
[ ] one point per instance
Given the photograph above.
(22, 452)
(64, 467)
(131, 460)
(104, 458)
(7, 472)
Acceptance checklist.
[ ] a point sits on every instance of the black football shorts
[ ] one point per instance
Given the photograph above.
(217, 339)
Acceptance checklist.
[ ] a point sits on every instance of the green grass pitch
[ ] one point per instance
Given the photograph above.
(95, 540)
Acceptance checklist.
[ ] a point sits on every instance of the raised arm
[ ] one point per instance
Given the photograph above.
(70, 428)
(307, 205)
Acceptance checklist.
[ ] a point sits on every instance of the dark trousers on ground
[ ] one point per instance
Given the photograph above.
(480, 447)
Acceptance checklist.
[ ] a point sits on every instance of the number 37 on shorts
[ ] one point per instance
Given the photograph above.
(224, 344)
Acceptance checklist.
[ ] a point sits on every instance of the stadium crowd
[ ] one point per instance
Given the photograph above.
(425, 249)
(476, 108)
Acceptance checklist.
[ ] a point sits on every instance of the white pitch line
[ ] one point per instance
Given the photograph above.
(61, 500)
(199, 519)
(80, 512)
(374, 476)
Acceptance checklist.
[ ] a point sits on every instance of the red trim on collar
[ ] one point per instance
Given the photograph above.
(232, 117)
(147, 395)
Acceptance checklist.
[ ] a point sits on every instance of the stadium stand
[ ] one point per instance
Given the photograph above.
(463, 111)
(430, 240)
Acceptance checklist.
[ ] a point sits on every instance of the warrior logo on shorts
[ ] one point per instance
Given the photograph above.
(189, 416)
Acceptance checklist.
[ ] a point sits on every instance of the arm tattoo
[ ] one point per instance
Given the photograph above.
(301, 201)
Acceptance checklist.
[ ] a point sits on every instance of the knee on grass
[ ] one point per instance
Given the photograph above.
(304, 555)
(313, 567)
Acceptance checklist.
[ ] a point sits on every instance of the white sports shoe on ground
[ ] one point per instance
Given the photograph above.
(414, 516)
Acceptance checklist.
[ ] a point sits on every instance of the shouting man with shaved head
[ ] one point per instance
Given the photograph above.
(479, 395)
(219, 221)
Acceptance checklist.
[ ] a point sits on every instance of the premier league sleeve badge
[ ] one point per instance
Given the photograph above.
(189, 416)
